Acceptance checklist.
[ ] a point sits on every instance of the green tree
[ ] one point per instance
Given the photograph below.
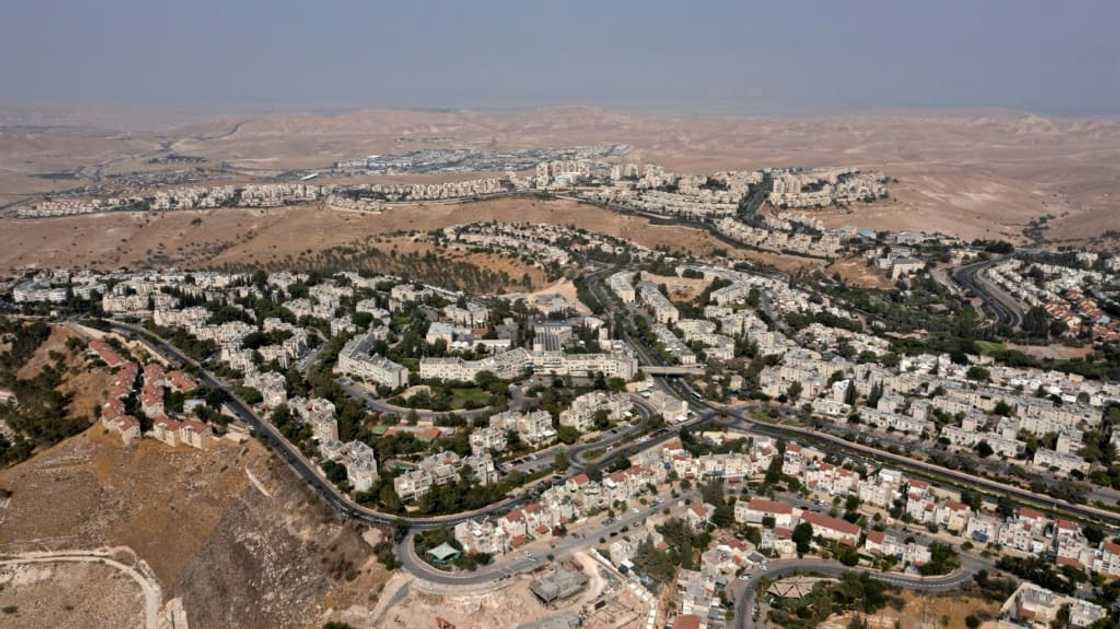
(803, 537)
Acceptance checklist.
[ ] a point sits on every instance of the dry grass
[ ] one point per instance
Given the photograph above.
(924, 612)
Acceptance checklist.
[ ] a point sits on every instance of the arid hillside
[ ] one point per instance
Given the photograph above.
(297, 235)
(971, 173)
(229, 530)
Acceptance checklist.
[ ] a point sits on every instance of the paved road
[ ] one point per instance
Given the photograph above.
(578, 452)
(704, 412)
(310, 473)
(745, 591)
(762, 427)
(305, 469)
(518, 561)
(1005, 308)
(151, 589)
(707, 411)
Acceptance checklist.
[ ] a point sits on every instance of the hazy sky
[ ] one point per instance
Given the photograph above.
(1049, 56)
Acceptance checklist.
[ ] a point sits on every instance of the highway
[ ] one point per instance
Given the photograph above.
(1005, 308)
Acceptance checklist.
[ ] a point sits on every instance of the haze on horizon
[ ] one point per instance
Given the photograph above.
(807, 56)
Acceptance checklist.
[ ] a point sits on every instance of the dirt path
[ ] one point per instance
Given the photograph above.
(148, 585)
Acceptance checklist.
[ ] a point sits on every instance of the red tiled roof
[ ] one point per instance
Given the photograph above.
(153, 371)
(829, 522)
(112, 408)
(737, 544)
(105, 352)
(686, 621)
(581, 479)
(876, 537)
(428, 433)
(192, 426)
(151, 394)
(1069, 561)
(166, 422)
(769, 506)
(1027, 512)
(181, 381)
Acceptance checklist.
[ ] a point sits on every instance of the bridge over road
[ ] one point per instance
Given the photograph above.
(657, 370)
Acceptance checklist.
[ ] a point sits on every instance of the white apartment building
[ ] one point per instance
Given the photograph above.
(356, 359)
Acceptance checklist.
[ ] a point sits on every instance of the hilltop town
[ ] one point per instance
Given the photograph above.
(662, 438)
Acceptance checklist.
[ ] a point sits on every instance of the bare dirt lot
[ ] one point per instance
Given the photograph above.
(974, 173)
(236, 556)
(69, 595)
(924, 612)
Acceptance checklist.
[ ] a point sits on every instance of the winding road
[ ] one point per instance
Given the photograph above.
(1005, 308)
(520, 561)
(746, 591)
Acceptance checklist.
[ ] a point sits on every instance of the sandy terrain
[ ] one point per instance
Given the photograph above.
(980, 173)
(73, 595)
(856, 271)
(922, 612)
(681, 289)
(506, 607)
(564, 288)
